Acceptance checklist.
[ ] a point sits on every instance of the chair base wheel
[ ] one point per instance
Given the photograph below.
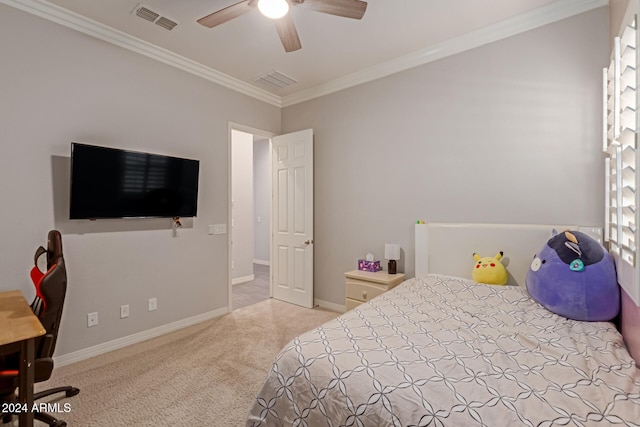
(72, 392)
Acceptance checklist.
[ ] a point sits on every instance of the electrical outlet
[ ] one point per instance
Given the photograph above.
(92, 319)
(124, 311)
(153, 304)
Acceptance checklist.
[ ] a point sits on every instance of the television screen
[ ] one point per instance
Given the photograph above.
(114, 183)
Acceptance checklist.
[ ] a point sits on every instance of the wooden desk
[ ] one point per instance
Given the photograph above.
(21, 326)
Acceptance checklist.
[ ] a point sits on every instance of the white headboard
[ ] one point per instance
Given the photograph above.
(447, 248)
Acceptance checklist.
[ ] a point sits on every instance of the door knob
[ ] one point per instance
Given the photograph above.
(307, 242)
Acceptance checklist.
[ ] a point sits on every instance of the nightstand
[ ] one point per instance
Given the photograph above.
(361, 286)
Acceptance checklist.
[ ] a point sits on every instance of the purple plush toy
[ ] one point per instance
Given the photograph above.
(574, 276)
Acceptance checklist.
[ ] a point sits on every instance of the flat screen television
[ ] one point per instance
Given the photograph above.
(115, 183)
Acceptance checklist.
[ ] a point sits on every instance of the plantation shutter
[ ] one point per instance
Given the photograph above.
(620, 121)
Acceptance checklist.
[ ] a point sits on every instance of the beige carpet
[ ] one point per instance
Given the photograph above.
(204, 375)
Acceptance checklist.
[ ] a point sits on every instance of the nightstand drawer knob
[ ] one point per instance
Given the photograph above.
(364, 295)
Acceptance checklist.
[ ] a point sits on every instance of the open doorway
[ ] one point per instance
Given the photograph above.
(250, 237)
(290, 222)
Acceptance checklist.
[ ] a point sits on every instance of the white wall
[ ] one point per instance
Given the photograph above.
(507, 132)
(617, 10)
(242, 206)
(262, 199)
(58, 86)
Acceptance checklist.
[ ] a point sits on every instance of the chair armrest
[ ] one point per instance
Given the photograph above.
(42, 369)
(47, 343)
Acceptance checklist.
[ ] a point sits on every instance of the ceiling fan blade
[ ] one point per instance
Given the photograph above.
(354, 9)
(288, 33)
(227, 14)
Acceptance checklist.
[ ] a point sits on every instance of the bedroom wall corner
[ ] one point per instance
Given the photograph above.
(509, 132)
(59, 86)
(618, 11)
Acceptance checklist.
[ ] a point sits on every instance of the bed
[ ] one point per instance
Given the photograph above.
(442, 350)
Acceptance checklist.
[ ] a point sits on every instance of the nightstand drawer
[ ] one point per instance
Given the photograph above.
(351, 303)
(363, 291)
(362, 286)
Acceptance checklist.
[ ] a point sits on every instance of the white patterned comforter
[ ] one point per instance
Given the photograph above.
(443, 351)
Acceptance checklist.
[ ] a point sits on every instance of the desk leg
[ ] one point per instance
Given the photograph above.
(26, 382)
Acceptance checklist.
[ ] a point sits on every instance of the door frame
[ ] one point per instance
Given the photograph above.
(254, 131)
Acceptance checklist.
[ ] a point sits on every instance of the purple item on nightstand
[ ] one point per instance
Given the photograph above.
(365, 265)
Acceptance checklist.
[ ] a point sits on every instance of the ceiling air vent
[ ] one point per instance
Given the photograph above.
(276, 79)
(147, 14)
(154, 17)
(166, 23)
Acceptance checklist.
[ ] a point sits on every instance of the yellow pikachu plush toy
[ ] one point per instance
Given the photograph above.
(489, 270)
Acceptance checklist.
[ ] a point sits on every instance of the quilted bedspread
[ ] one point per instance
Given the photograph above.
(444, 351)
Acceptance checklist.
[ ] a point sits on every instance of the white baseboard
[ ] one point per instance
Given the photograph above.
(86, 353)
(243, 279)
(330, 305)
(262, 262)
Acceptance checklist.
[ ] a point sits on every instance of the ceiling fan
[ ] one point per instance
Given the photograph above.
(278, 11)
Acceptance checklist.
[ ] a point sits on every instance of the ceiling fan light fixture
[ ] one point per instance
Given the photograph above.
(274, 9)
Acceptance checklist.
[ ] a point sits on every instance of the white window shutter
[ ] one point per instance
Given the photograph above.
(620, 135)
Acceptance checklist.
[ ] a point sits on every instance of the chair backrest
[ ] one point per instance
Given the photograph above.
(51, 289)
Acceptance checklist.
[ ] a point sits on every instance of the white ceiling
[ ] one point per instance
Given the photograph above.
(394, 34)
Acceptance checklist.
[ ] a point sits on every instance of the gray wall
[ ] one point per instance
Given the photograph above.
(58, 86)
(617, 10)
(505, 133)
(508, 132)
(262, 196)
(242, 207)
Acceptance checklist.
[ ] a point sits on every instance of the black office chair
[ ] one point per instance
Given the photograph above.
(51, 288)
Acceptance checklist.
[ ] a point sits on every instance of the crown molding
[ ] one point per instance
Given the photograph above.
(553, 12)
(80, 23)
(528, 21)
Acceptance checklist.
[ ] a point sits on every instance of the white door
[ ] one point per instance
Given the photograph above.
(292, 217)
